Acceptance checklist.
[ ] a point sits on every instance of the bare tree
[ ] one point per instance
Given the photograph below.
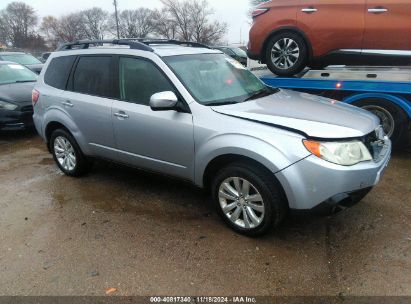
(4, 30)
(202, 30)
(180, 13)
(136, 23)
(164, 25)
(192, 20)
(95, 23)
(51, 31)
(17, 23)
(71, 27)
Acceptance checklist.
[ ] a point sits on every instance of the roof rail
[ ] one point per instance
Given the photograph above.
(148, 41)
(85, 44)
(142, 44)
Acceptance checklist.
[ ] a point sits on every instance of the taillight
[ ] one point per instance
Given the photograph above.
(34, 97)
(258, 12)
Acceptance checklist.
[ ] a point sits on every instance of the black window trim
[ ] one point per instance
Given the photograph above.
(184, 107)
(70, 84)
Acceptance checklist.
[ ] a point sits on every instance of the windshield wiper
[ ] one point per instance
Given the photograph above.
(262, 93)
(223, 103)
(22, 81)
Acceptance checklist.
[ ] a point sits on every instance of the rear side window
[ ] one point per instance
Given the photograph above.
(58, 71)
(140, 79)
(92, 76)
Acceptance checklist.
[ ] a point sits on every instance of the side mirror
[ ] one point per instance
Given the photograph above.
(163, 101)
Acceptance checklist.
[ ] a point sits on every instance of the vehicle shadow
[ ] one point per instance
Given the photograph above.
(10, 136)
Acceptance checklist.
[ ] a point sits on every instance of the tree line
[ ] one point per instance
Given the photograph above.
(189, 20)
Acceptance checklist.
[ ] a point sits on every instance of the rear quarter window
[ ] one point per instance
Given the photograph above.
(58, 71)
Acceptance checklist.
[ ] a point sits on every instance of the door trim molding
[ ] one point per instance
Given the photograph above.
(377, 52)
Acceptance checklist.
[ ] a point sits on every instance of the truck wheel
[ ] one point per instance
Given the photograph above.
(248, 199)
(393, 119)
(67, 154)
(286, 54)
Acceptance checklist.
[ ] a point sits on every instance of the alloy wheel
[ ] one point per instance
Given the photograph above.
(241, 202)
(285, 53)
(64, 152)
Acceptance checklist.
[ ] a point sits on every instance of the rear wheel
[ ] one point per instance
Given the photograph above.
(67, 154)
(393, 119)
(248, 199)
(286, 54)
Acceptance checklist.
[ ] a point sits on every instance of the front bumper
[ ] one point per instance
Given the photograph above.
(15, 120)
(314, 181)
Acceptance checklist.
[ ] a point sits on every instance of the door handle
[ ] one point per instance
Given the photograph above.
(309, 10)
(68, 104)
(377, 10)
(121, 115)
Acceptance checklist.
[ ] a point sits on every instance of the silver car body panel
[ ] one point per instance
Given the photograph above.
(316, 116)
(268, 130)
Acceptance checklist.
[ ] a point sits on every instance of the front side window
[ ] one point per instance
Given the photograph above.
(24, 59)
(15, 73)
(139, 79)
(216, 79)
(92, 76)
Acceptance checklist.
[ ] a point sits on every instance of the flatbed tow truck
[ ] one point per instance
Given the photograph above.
(385, 91)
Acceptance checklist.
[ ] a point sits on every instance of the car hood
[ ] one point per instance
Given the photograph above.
(18, 93)
(310, 115)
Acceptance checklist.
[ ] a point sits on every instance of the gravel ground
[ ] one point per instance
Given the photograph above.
(145, 234)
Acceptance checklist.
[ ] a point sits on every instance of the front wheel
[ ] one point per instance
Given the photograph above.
(248, 199)
(286, 54)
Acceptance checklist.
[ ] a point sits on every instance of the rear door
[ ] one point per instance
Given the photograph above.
(159, 141)
(388, 25)
(88, 102)
(332, 24)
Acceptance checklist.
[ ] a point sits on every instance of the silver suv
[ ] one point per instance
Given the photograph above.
(191, 112)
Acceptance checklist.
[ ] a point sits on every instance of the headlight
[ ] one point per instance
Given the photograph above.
(341, 153)
(7, 106)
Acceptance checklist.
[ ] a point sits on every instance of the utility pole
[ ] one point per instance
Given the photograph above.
(116, 14)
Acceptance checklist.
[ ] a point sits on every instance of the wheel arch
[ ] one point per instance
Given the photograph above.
(285, 29)
(55, 119)
(226, 159)
(50, 128)
(400, 101)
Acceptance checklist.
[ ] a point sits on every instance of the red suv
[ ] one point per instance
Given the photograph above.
(289, 35)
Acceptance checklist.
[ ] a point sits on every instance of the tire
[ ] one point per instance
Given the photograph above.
(271, 210)
(386, 110)
(276, 44)
(74, 167)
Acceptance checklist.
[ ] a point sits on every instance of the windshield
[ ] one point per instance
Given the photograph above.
(24, 59)
(11, 73)
(239, 52)
(215, 79)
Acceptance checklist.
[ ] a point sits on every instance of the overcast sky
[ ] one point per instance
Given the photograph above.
(234, 12)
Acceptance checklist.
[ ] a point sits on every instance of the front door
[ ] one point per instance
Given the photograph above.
(158, 141)
(388, 25)
(332, 25)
